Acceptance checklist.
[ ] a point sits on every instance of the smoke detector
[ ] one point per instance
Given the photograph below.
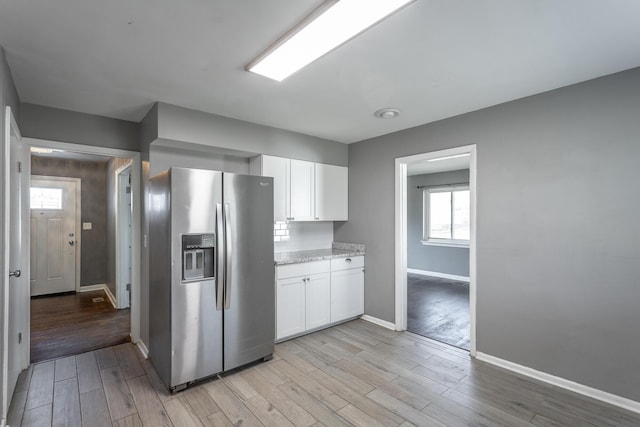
(387, 113)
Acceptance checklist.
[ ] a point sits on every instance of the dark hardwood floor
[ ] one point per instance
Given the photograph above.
(438, 309)
(71, 324)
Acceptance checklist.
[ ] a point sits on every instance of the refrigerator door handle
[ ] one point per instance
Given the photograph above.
(228, 248)
(220, 274)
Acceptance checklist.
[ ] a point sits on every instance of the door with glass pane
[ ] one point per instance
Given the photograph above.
(53, 234)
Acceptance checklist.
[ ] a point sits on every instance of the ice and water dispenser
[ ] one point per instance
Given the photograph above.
(197, 256)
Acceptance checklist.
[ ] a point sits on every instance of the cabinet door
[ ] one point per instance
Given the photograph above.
(290, 307)
(332, 193)
(318, 301)
(347, 294)
(279, 169)
(302, 184)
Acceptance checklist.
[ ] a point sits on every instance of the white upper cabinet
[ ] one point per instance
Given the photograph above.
(279, 168)
(303, 181)
(305, 191)
(332, 193)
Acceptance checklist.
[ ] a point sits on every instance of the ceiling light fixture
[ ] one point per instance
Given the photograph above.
(41, 150)
(329, 26)
(387, 113)
(449, 157)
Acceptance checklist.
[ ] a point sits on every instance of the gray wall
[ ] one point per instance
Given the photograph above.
(558, 259)
(8, 92)
(112, 194)
(181, 124)
(441, 259)
(54, 124)
(162, 158)
(93, 204)
(148, 130)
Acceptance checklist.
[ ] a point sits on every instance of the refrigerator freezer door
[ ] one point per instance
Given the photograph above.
(196, 325)
(249, 322)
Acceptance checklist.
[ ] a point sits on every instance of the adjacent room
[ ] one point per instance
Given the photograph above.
(438, 234)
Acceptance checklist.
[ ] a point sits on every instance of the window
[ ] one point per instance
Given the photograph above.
(46, 198)
(446, 215)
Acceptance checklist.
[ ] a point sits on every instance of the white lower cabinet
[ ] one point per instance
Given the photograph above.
(314, 294)
(318, 301)
(290, 307)
(347, 294)
(347, 288)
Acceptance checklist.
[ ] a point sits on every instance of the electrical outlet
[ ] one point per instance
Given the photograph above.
(87, 226)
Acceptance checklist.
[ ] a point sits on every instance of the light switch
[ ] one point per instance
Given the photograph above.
(86, 226)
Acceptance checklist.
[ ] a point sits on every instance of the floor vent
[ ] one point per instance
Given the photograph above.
(97, 300)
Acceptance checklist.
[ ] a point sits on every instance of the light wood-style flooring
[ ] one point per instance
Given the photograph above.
(353, 374)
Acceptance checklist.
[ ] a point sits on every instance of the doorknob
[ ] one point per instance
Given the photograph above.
(71, 242)
(16, 273)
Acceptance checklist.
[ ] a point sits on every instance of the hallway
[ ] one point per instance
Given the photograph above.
(64, 325)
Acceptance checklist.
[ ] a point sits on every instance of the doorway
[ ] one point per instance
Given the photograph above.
(75, 284)
(431, 233)
(94, 294)
(55, 205)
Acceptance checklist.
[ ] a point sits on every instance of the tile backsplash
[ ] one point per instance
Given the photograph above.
(300, 236)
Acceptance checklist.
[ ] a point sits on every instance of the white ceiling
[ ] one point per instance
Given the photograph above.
(432, 60)
(447, 165)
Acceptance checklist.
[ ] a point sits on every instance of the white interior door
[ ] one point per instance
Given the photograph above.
(16, 293)
(123, 221)
(53, 234)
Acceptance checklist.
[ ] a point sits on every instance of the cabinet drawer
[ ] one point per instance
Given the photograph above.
(338, 264)
(302, 269)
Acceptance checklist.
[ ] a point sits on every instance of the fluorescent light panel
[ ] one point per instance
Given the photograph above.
(449, 157)
(42, 150)
(341, 21)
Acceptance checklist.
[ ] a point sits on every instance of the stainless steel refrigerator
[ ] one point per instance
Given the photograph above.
(211, 290)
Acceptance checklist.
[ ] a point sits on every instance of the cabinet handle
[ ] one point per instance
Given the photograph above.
(347, 260)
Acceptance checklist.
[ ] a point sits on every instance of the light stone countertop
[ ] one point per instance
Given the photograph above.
(339, 250)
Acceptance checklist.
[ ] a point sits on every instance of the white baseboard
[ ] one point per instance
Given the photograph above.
(91, 288)
(102, 287)
(110, 296)
(378, 322)
(437, 274)
(594, 393)
(142, 348)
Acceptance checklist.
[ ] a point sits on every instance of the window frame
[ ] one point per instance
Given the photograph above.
(58, 189)
(426, 226)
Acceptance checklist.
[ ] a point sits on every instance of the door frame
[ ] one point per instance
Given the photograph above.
(401, 164)
(76, 226)
(10, 126)
(119, 236)
(136, 216)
